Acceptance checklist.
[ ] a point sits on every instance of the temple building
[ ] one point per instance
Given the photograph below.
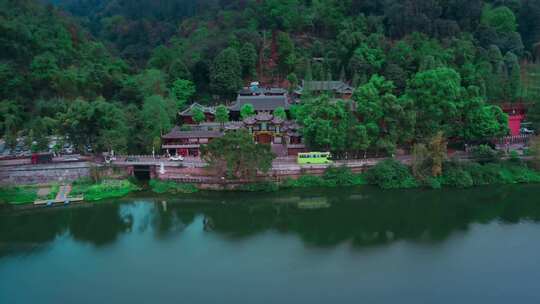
(262, 100)
(336, 89)
(186, 116)
(265, 127)
(187, 143)
(516, 115)
(282, 135)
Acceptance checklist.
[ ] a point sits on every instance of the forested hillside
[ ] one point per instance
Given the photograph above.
(113, 73)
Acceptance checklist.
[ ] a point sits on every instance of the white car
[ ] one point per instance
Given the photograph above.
(526, 131)
(72, 158)
(176, 158)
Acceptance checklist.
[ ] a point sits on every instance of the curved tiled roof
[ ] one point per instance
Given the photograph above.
(176, 132)
(205, 109)
(261, 102)
(336, 86)
(263, 116)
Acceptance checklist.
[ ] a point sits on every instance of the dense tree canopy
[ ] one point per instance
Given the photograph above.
(412, 64)
(237, 156)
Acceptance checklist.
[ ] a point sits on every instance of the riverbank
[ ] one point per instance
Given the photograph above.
(27, 194)
(387, 174)
(90, 191)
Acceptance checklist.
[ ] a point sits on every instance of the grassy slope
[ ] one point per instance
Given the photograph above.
(103, 190)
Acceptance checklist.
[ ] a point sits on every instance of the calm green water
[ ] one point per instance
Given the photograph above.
(470, 246)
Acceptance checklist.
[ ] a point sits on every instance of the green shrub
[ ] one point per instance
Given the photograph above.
(391, 174)
(514, 157)
(488, 174)
(260, 187)
(160, 187)
(433, 182)
(107, 189)
(307, 181)
(485, 154)
(53, 191)
(343, 176)
(18, 195)
(455, 176)
(522, 174)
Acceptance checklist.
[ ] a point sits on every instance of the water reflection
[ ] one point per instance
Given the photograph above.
(365, 217)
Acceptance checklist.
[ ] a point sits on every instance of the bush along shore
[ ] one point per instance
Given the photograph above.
(391, 174)
(17, 195)
(162, 187)
(104, 189)
(388, 174)
(91, 191)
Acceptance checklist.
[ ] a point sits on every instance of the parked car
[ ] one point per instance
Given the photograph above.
(176, 158)
(131, 159)
(526, 131)
(71, 158)
(41, 158)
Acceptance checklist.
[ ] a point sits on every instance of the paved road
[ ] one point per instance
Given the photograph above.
(56, 160)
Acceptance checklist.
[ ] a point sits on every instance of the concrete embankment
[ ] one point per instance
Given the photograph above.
(46, 173)
(203, 177)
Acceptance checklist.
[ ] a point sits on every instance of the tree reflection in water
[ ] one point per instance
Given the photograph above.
(363, 217)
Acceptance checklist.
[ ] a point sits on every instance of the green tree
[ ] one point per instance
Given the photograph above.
(248, 59)
(78, 123)
(113, 131)
(179, 70)
(11, 118)
(226, 72)
(500, 18)
(161, 57)
(44, 69)
(181, 91)
(198, 115)
(237, 156)
(151, 82)
(280, 113)
(387, 119)
(512, 85)
(293, 82)
(222, 114)
(157, 119)
(99, 124)
(480, 120)
(326, 124)
(286, 53)
(437, 101)
(247, 110)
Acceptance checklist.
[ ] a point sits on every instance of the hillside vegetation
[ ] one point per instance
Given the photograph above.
(111, 74)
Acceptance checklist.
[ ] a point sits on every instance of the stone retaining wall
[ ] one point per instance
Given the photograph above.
(41, 174)
(204, 179)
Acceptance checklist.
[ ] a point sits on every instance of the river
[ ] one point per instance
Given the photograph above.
(368, 246)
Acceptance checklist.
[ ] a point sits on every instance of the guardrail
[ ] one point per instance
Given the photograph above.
(516, 139)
